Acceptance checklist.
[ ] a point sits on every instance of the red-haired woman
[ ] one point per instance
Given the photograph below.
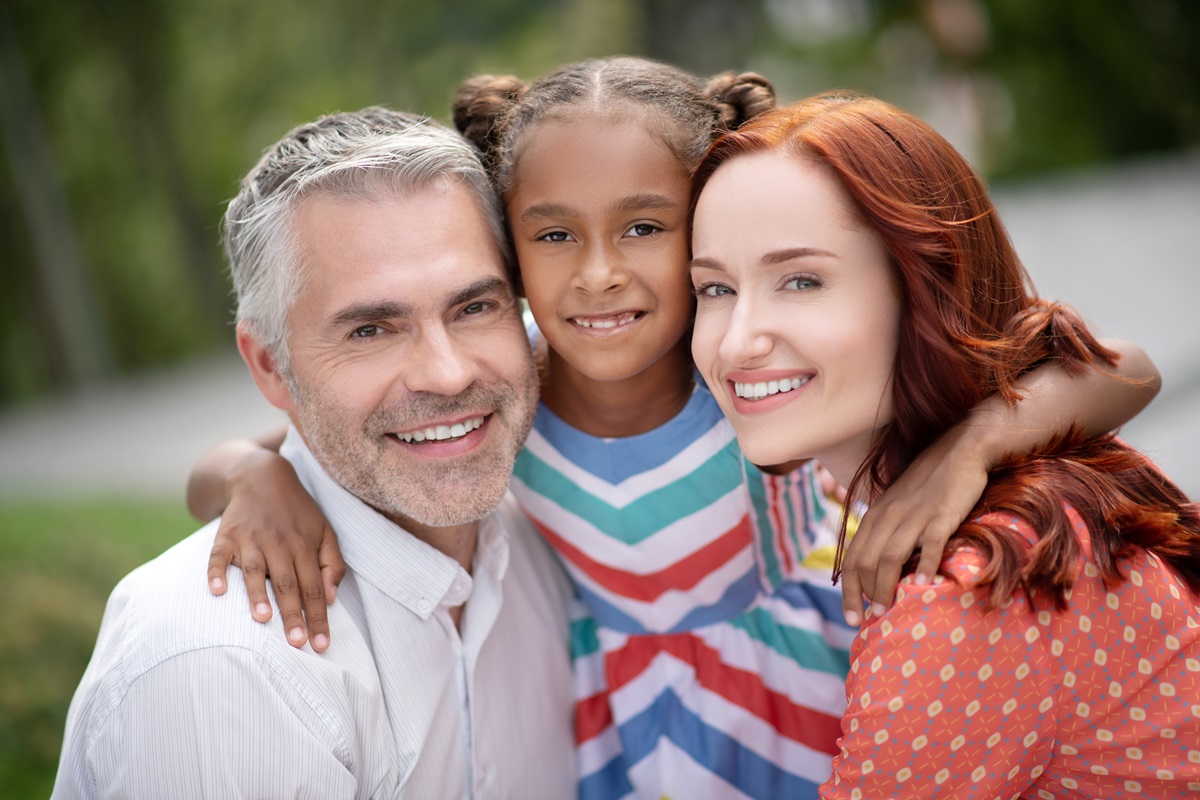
(857, 295)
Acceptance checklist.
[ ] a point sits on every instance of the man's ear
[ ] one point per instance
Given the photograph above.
(263, 369)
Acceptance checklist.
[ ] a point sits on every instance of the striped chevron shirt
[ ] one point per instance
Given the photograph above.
(710, 651)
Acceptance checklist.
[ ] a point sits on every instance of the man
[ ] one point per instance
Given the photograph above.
(375, 307)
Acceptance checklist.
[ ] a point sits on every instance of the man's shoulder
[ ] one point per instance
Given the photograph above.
(164, 609)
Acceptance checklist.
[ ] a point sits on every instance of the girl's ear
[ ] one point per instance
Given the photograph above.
(264, 370)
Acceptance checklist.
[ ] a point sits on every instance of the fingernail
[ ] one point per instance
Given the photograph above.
(262, 610)
(218, 583)
(852, 618)
(333, 593)
(320, 641)
(878, 609)
(921, 579)
(295, 635)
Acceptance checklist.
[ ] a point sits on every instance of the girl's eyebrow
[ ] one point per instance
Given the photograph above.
(643, 201)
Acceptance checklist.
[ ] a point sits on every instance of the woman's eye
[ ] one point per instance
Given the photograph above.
(555, 236)
(642, 229)
(366, 331)
(802, 282)
(712, 290)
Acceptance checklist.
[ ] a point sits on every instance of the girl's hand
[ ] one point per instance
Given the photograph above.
(271, 526)
(923, 508)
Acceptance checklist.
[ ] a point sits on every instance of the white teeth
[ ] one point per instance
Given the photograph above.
(605, 323)
(757, 391)
(441, 433)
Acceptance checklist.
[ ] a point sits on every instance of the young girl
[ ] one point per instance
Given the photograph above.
(714, 656)
(844, 245)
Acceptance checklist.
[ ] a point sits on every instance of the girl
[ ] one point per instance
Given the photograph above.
(711, 664)
(843, 246)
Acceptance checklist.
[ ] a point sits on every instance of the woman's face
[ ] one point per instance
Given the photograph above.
(797, 316)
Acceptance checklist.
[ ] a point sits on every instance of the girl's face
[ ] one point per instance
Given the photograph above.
(599, 218)
(798, 314)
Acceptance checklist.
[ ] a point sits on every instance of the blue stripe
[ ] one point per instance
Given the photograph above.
(826, 600)
(615, 460)
(610, 782)
(740, 595)
(711, 748)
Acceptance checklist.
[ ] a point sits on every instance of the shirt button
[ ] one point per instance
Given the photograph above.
(425, 605)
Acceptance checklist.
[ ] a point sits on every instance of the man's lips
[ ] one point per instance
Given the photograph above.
(606, 322)
(441, 433)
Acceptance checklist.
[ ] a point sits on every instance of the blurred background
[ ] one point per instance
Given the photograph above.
(126, 125)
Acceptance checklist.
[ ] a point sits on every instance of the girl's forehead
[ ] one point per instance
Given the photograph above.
(632, 133)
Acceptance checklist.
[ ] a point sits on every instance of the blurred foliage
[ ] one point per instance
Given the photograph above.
(58, 564)
(128, 123)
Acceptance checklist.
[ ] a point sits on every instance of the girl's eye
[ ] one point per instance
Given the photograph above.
(555, 236)
(366, 331)
(712, 290)
(642, 229)
(800, 282)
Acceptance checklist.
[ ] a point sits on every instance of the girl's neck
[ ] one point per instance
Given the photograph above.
(628, 407)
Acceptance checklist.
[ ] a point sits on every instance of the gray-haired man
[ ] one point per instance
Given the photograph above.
(375, 307)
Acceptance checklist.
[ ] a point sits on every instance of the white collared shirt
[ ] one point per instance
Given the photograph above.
(187, 696)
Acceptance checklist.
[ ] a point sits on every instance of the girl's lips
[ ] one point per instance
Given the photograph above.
(605, 323)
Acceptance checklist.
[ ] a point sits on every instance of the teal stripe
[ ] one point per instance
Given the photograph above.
(584, 637)
(807, 648)
(648, 514)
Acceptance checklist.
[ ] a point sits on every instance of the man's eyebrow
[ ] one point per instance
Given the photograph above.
(484, 286)
(371, 312)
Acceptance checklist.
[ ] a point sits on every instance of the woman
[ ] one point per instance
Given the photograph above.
(857, 295)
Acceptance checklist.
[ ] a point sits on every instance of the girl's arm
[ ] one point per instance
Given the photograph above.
(269, 526)
(938, 490)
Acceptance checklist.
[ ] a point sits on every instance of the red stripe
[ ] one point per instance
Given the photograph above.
(776, 485)
(680, 576)
(812, 728)
(592, 716)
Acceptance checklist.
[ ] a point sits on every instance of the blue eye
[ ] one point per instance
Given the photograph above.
(642, 229)
(800, 282)
(712, 290)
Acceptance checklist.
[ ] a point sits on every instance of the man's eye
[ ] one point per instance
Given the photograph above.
(366, 331)
(476, 308)
(642, 229)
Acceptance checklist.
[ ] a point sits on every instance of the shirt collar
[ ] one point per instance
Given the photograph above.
(411, 572)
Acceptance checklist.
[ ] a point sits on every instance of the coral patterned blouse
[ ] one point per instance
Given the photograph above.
(1101, 700)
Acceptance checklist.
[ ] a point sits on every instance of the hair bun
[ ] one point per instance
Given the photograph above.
(479, 105)
(740, 97)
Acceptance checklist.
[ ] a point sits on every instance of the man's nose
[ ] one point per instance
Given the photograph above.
(440, 364)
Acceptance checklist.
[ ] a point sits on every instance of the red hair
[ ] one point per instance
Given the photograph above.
(970, 327)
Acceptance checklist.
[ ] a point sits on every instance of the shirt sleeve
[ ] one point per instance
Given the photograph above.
(215, 722)
(946, 699)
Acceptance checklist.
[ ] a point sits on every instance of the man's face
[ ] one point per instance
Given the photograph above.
(412, 380)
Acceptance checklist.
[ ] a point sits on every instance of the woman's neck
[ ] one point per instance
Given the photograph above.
(626, 407)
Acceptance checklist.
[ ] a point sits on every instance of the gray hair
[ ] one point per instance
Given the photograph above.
(365, 155)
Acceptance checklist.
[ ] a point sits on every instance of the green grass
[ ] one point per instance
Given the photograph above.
(59, 560)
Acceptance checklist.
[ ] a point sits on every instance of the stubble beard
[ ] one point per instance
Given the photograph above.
(461, 490)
